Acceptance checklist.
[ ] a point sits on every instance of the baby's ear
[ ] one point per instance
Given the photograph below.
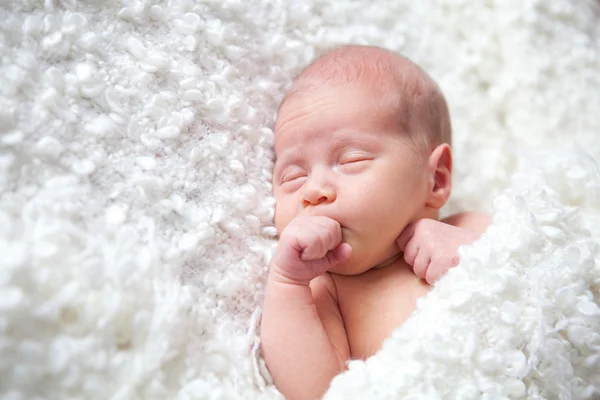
(440, 176)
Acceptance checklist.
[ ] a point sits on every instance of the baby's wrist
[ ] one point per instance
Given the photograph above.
(281, 277)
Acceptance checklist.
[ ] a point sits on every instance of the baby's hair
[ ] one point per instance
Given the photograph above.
(417, 99)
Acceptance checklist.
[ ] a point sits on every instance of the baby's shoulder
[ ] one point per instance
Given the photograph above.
(471, 220)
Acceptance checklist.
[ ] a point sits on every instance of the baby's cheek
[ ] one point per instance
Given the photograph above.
(283, 216)
(278, 221)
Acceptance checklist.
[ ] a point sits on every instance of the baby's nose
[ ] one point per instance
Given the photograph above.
(316, 196)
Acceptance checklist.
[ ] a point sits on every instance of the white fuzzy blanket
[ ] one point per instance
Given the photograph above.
(135, 206)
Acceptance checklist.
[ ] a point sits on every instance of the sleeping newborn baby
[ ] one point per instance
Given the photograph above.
(363, 165)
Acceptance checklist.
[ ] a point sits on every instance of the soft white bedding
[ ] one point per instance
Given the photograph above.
(135, 208)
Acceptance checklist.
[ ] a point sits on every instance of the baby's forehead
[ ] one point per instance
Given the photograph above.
(393, 85)
(360, 64)
(373, 102)
(335, 114)
(385, 80)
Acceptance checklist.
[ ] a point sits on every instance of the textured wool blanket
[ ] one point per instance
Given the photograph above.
(136, 211)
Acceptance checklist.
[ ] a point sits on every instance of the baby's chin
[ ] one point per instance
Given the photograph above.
(349, 268)
(352, 267)
(361, 260)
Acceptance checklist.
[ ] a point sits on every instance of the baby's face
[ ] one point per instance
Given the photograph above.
(340, 155)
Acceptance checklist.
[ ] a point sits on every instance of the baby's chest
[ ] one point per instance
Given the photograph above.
(374, 307)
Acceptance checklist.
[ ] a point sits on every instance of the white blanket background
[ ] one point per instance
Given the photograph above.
(135, 206)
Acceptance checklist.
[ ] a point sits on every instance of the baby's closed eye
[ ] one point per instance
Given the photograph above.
(354, 159)
(292, 174)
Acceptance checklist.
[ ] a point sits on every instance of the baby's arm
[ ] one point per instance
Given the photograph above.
(431, 246)
(303, 337)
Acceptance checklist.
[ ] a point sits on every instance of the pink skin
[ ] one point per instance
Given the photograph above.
(353, 190)
(430, 247)
(307, 248)
(358, 169)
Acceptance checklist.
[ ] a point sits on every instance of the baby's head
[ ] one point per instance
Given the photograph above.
(363, 137)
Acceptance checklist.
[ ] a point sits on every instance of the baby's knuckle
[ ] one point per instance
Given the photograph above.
(296, 222)
(428, 229)
(315, 234)
(334, 232)
(426, 224)
(285, 238)
(324, 237)
(419, 233)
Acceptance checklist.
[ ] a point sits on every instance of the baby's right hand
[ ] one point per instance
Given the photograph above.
(307, 248)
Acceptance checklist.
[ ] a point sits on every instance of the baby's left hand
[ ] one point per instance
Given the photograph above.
(431, 247)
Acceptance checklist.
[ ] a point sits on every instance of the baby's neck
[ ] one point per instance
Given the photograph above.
(427, 213)
(388, 261)
(395, 266)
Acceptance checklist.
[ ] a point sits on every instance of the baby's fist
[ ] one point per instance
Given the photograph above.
(431, 247)
(308, 247)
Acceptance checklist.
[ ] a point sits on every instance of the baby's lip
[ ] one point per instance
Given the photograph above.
(314, 213)
(310, 213)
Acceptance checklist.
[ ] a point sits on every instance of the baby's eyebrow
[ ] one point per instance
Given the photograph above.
(349, 139)
(287, 156)
(341, 140)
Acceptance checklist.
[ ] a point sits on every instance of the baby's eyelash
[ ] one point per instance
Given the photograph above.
(288, 176)
(354, 157)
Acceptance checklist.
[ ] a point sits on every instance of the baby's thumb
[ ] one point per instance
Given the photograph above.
(339, 254)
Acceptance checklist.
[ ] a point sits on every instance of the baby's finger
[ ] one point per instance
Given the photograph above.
(432, 273)
(339, 254)
(405, 236)
(422, 265)
(331, 232)
(331, 259)
(439, 268)
(335, 235)
(317, 236)
(411, 250)
(313, 248)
